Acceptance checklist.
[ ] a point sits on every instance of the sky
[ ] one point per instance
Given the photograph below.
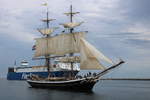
(118, 28)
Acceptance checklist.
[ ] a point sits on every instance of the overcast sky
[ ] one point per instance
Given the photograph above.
(118, 28)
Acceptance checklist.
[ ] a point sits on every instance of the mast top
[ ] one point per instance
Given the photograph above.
(71, 25)
(47, 31)
(47, 19)
(71, 13)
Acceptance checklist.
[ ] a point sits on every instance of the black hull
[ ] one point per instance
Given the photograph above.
(73, 85)
(84, 84)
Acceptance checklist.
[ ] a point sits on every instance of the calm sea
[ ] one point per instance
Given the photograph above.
(104, 90)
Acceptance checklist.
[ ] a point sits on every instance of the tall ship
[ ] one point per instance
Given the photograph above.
(70, 47)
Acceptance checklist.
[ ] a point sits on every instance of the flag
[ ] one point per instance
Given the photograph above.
(34, 47)
(45, 4)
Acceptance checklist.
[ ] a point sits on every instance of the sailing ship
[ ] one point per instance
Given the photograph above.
(70, 48)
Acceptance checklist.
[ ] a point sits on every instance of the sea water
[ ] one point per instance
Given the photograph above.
(103, 90)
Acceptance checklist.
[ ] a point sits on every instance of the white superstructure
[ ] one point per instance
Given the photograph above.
(57, 66)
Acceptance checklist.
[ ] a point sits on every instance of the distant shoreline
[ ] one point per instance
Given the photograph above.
(142, 79)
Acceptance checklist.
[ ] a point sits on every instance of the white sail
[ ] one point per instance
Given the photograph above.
(96, 53)
(47, 31)
(90, 56)
(71, 24)
(59, 45)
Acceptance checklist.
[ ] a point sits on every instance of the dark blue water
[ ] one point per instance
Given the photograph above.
(104, 90)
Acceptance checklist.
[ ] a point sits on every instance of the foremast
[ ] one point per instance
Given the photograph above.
(47, 59)
(46, 32)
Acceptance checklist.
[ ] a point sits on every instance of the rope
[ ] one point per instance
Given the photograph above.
(108, 69)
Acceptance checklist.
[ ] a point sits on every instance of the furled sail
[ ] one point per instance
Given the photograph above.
(45, 20)
(71, 24)
(90, 56)
(73, 13)
(47, 31)
(75, 59)
(59, 45)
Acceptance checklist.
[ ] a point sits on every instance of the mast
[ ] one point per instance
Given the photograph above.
(71, 25)
(71, 16)
(47, 59)
(46, 33)
(47, 21)
(71, 13)
(71, 30)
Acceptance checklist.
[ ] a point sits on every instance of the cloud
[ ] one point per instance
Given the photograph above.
(19, 13)
(12, 26)
(107, 17)
(137, 16)
(114, 25)
(128, 21)
(140, 35)
(136, 10)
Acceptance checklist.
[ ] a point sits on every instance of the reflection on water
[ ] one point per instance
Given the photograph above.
(104, 90)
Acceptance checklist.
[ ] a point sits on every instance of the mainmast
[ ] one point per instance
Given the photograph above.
(71, 30)
(70, 14)
(47, 21)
